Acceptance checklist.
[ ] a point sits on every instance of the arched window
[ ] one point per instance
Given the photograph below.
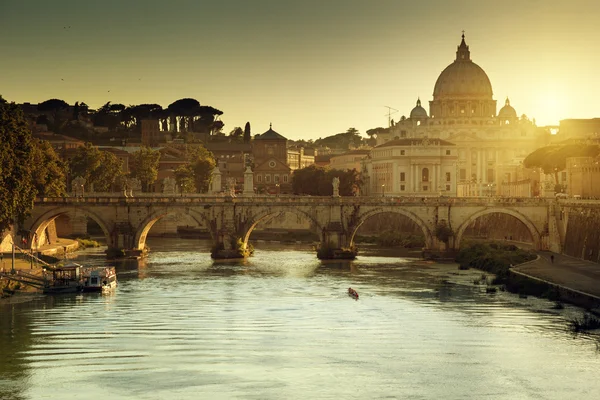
(425, 174)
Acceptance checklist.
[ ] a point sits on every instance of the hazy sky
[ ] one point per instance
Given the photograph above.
(311, 67)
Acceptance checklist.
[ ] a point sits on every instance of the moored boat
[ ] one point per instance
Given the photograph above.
(99, 279)
(65, 279)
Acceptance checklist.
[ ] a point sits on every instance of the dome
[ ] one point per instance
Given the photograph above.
(463, 79)
(507, 112)
(418, 111)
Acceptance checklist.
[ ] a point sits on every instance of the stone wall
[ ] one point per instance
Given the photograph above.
(582, 239)
(498, 226)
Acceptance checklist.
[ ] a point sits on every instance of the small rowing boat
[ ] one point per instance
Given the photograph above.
(353, 293)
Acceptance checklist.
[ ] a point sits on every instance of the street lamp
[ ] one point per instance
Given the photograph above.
(383, 190)
(277, 186)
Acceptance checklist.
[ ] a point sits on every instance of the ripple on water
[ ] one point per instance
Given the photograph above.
(282, 326)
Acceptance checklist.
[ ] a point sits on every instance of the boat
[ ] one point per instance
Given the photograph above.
(64, 279)
(353, 293)
(98, 279)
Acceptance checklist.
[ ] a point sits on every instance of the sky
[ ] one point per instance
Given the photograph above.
(312, 68)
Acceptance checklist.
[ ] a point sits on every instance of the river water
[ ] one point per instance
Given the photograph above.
(281, 326)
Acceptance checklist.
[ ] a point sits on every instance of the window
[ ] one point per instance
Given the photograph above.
(402, 134)
(447, 188)
(563, 176)
(425, 188)
(425, 175)
(268, 178)
(259, 178)
(402, 188)
(490, 175)
(448, 177)
(276, 178)
(402, 152)
(463, 174)
(285, 179)
(402, 176)
(418, 123)
(447, 152)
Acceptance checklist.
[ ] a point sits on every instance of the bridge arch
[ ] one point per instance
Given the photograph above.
(533, 231)
(265, 213)
(395, 210)
(41, 222)
(141, 232)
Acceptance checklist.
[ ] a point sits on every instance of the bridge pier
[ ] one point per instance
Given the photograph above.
(122, 243)
(335, 244)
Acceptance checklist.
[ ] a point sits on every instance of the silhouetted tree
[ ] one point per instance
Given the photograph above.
(48, 170)
(100, 168)
(247, 134)
(17, 188)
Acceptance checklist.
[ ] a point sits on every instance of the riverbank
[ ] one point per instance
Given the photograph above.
(10, 291)
(566, 278)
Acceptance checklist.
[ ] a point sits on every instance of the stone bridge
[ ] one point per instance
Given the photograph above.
(126, 221)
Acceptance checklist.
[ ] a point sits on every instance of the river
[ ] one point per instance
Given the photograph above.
(281, 326)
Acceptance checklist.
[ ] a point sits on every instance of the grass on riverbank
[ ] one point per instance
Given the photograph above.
(85, 243)
(585, 323)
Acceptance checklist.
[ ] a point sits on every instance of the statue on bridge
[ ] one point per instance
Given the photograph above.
(169, 186)
(77, 186)
(336, 187)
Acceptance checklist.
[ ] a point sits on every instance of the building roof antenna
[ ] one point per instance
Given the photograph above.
(391, 111)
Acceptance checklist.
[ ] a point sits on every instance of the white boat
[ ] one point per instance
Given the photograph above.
(98, 279)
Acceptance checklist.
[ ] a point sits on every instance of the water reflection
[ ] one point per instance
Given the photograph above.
(280, 325)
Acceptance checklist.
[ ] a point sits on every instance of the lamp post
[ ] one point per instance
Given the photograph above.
(383, 190)
(277, 187)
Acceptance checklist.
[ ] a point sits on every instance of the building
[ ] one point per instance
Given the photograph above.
(349, 160)
(151, 134)
(298, 158)
(411, 167)
(578, 129)
(272, 174)
(463, 112)
(583, 175)
(232, 159)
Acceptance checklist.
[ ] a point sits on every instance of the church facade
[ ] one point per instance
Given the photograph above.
(461, 147)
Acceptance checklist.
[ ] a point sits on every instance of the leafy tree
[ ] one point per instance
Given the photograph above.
(247, 134)
(56, 109)
(184, 176)
(17, 190)
(48, 170)
(101, 169)
(346, 140)
(202, 163)
(317, 181)
(145, 166)
(236, 134)
(553, 159)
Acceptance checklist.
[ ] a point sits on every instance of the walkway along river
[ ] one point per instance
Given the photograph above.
(281, 325)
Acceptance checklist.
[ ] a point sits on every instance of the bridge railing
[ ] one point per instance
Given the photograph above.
(292, 199)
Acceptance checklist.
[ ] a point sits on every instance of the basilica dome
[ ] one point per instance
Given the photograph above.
(463, 79)
(507, 112)
(418, 112)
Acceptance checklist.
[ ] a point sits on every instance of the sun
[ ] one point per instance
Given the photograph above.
(551, 106)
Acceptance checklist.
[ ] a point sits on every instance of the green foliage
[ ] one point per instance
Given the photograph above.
(236, 134)
(145, 166)
(202, 163)
(317, 181)
(393, 238)
(349, 139)
(496, 258)
(443, 232)
(247, 134)
(184, 176)
(48, 170)
(585, 323)
(100, 168)
(85, 243)
(553, 158)
(17, 187)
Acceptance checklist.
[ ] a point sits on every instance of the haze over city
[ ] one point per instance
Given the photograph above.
(311, 68)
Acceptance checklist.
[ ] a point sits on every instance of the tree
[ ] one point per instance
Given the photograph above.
(145, 166)
(184, 176)
(317, 181)
(57, 110)
(236, 134)
(349, 139)
(48, 170)
(247, 134)
(202, 162)
(101, 169)
(553, 159)
(17, 190)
